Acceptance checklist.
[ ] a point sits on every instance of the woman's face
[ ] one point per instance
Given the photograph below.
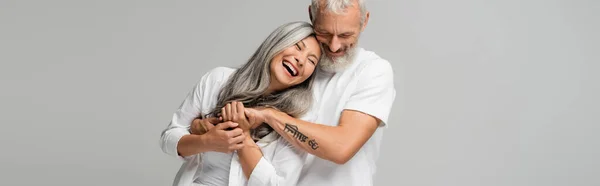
(294, 64)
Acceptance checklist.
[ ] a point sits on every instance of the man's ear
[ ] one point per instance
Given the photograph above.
(310, 14)
(366, 21)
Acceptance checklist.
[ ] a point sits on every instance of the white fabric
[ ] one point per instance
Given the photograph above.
(366, 86)
(280, 165)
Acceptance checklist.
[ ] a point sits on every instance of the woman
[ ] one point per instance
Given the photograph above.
(278, 75)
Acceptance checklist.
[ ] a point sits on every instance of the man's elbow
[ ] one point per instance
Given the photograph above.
(342, 157)
(340, 160)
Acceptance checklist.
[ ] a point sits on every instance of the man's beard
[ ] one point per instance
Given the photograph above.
(337, 64)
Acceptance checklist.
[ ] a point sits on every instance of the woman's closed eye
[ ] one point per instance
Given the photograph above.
(312, 61)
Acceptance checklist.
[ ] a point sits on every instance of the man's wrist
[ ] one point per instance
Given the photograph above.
(269, 115)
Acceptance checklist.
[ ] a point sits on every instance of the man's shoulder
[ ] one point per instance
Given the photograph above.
(369, 62)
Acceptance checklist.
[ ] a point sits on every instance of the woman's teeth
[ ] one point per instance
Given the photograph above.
(290, 68)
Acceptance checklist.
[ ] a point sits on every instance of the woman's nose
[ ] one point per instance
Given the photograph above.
(299, 61)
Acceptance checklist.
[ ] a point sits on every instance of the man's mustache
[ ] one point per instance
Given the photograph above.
(326, 47)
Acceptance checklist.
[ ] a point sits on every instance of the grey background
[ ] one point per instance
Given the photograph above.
(496, 92)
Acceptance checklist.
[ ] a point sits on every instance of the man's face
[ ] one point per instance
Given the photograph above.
(338, 35)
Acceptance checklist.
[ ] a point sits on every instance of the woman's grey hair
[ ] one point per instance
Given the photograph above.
(337, 7)
(249, 83)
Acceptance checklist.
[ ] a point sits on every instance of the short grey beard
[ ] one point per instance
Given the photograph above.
(338, 64)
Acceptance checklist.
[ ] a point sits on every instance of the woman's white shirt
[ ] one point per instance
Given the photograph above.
(281, 163)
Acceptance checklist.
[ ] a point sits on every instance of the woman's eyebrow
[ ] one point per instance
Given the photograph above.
(303, 45)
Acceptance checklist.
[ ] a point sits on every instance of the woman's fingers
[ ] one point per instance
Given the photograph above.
(234, 111)
(234, 114)
(240, 110)
(229, 112)
(224, 113)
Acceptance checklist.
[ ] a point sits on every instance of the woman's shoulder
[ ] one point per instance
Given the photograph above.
(214, 78)
(216, 75)
(219, 73)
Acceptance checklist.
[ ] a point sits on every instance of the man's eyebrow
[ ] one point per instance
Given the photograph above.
(320, 30)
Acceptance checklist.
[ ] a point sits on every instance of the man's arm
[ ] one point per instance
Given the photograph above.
(334, 143)
(367, 108)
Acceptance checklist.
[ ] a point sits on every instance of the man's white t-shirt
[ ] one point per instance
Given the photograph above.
(367, 86)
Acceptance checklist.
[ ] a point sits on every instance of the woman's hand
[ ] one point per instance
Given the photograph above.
(257, 116)
(234, 112)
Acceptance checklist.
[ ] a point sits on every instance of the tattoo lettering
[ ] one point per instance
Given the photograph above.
(313, 144)
(294, 130)
(298, 135)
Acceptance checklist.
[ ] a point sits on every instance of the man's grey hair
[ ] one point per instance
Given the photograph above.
(338, 7)
(249, 83)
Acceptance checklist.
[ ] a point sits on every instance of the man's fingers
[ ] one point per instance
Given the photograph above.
(226, 125)
(196, 126)
(213, 120)
(207, 124)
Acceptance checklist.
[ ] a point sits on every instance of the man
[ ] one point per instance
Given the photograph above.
(353, 91)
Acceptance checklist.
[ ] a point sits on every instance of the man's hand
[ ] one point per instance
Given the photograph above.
(234, 112)
(220, 139)
(258, 116)
(200, 126)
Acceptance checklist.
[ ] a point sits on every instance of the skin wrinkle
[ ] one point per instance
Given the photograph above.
(338, 34)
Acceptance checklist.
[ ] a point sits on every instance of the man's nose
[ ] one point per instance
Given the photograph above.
(335, 45)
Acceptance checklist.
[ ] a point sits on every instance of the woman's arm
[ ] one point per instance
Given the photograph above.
(217, 138)
(283, 169)
(249, 155)
(176, 139)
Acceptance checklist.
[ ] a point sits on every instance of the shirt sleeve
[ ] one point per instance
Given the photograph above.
(189, 109)
(375, 92)
(284, 169)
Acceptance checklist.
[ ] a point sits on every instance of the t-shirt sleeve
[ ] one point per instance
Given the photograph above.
(190, 108)
(374, 93)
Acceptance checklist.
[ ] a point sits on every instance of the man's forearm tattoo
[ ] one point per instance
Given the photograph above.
(313, 144)
(293, 129)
